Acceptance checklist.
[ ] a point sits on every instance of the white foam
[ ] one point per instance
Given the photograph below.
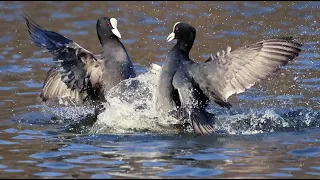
(70, 114)
(132, 109)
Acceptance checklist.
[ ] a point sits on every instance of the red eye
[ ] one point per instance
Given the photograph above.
(108, 24)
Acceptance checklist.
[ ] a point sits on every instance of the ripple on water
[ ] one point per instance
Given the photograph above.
(31, 84)
(27, 162)
(234, 33)
(204, 157)
(5, 39)
(16, 56)
(2, 142)
(191, 171)
(313, 173)
(253, 97)
(149, 20)
(306, 5)
(47, 60)
(14, 6)
(83, 24)
(306, 80)
(189, 6)
(311, 152)
(94, 161)
(12, 61)
(14, 69)
(11, 130)
(78, 9)
(84, 148)
(57, 165)
(291, 169)
(221, 150)
(49, 174)
(155, 37)
(7, 88)
(33, 132)
(280, 175)
(159, 29)
(14, 170)
(315, 167)
(313, 87)
(3, 166)
(154, 164)
(128, 41)
(94, 169)
(309, 62)
(70, 32)
(97, 12)
(59, 15)
(101, 176)
(27, 93)
(25, 137)
(84, 159)
(44, 155)
(288, 97)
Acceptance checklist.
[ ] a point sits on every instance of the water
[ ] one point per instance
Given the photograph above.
(271, 131)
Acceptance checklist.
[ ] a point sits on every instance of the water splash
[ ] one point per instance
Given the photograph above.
(267, 120)
(130, 107)
(70, 114)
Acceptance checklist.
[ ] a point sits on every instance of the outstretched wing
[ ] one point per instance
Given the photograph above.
(78, 67)
(233, 72)
(55, 90)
